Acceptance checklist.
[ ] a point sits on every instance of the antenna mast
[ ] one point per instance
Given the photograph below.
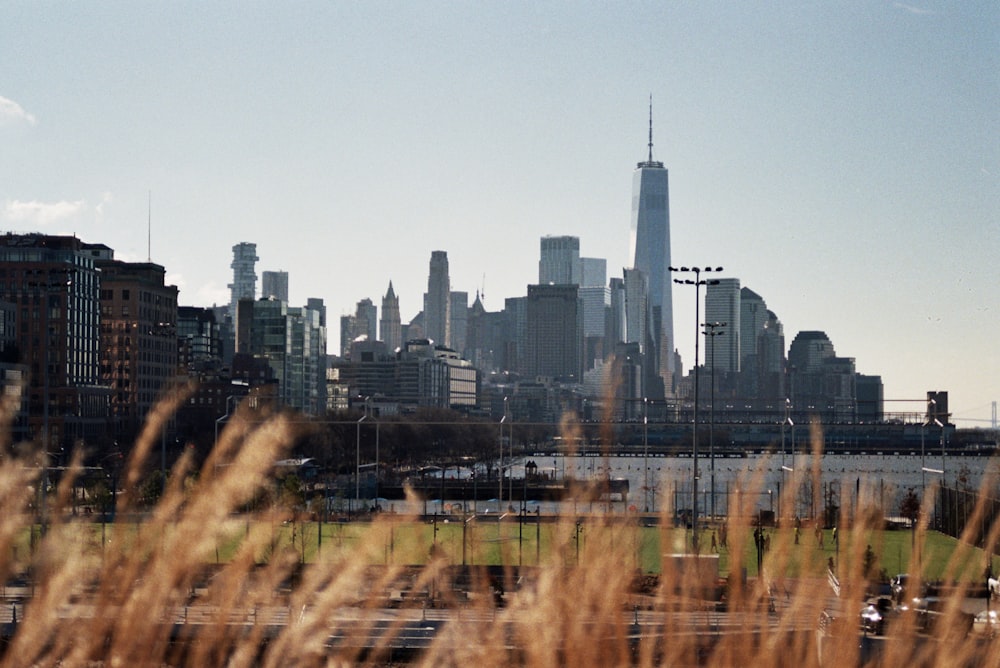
(650, 127)
(149, 227)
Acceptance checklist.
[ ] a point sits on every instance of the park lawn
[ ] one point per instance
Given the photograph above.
(405, 541)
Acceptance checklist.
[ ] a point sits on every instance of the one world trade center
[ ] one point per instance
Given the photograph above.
(650, 253)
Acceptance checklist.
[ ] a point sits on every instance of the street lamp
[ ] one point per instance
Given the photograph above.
(645, 453)
(697, 283)
(784, 469)
(357, 459)
(923, 464)
(500, 463)
(229, 412)
(712, 330)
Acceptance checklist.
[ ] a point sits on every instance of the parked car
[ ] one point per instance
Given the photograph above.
(875, 616)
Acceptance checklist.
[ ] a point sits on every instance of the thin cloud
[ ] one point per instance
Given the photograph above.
(41, 213)
(12, 112)
(911, 8)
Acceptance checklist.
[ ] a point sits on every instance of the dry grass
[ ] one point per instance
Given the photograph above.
(131, 604)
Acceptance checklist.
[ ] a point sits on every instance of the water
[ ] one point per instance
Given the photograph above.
(763, 482)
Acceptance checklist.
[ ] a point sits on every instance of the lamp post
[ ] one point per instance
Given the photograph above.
(923, 453)
(784, 469)
(357, 459)
(228, 414)
(645, 454)
(697, 283)
(712, 330)
(500, 463)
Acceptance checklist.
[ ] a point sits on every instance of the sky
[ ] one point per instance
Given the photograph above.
(841, 159)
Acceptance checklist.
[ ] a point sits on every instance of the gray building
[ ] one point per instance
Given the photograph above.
(559, 262)
(553, 344)
(722, 305)
(390, 326)
(650, 241)
(437, 300)
(274, 285)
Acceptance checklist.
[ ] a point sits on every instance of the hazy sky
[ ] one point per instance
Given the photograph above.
(842, 159)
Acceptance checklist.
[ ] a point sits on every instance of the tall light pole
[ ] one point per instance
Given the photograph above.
(645, 453)
(500, 463)
(784, 469)
(923, 452)
(357, 459)
(712, 330)
(697, 283)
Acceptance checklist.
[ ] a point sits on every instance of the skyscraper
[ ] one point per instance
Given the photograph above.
(458, 321)
(650, 241)
(554, 332)
(559, 262)
(722, 304)
(390, 327)
(437, 300)
(274, 285)
(244, 285)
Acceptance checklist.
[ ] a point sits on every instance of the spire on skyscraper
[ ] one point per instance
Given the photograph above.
(650, 162)
(650, 127)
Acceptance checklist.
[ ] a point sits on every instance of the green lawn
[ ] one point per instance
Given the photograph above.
(489, 541)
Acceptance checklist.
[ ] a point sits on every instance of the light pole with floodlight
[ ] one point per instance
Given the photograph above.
(357, 460)
(712, 330)
(697, 283)
(645, 453)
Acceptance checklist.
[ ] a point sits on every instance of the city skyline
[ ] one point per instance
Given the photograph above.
(840, 161)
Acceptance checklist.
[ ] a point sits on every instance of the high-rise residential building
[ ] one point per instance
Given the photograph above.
(198, 339)
(559, 263)
(390, 326)
(650, 240)
(722, 305)
(54, 284)
(459, 320)
(138, 340)
(554, 333)
(274, 285)
(244, 285)
(437, 300)
(292, 340)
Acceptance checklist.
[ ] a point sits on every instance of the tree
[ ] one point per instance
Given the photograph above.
(909, 507)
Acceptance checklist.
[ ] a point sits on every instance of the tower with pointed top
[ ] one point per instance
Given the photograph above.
(390, 327)
(437, 300)
(650, 253)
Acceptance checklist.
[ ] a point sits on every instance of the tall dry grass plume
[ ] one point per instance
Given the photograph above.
(151, 589)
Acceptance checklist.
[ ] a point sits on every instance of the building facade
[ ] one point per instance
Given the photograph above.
(437, 300)
(138, 340)
(554, 334)
(722, 305)
(650, 242)
(390, 326)
(559, 261)
(54, 285)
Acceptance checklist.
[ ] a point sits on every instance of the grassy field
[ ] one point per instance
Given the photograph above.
(394, 540)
